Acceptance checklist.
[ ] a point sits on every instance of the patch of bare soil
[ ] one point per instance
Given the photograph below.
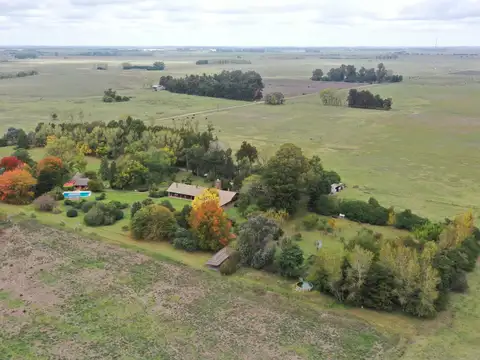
(296, 87)
(88, 300)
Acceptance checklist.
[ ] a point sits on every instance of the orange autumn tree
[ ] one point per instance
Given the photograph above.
(16, 187)
(50, 163)
(209, 222)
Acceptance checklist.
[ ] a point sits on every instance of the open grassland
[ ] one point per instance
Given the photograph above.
(116, 304)
(421, 155)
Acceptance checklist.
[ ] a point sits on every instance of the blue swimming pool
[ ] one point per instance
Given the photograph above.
(76, 194)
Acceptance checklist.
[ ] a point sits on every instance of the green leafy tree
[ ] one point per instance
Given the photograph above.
(255, 241)
(283, 177)
(113, 173)
(130, 173)
(154, 223)
(65, 149)
(22, 140)
(291, 260)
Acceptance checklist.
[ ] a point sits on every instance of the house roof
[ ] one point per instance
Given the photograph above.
(195, 190)
(220, 257)
(80, 180)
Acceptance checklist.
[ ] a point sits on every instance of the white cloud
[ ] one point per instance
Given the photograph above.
(240, 22)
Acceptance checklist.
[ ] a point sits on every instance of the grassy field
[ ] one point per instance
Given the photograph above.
(421, 155)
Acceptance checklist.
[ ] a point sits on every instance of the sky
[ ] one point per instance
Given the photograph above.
(240, 22)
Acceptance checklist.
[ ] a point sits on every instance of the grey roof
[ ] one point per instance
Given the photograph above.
(220, 257)
(195, 190)
(80, 180)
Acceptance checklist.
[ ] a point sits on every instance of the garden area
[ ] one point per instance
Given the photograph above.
(281, 218)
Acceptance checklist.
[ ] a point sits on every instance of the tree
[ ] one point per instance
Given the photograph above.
(256, 241)
(359, 262)
(331, 97)
(113, 173)
(65, 149)
(22, 140)
(247, 151)
(276, 98)
(317, 75)
(154, 223)
(209, 223)
(183, 217)
(16, 187)
(24, 156)
(283, 177)
(9, 163)
(104, 169)
(51, 173)
(290, 260)
(210, 194)
(130, 173)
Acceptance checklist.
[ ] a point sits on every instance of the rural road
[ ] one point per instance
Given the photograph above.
(226, 108)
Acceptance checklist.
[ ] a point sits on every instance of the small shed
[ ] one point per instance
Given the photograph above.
(219, 258)
(336, 188)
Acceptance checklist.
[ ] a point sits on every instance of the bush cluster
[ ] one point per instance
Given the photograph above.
(45, 203)
(102, 214)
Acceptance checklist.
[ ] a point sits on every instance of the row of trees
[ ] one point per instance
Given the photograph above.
(364, 99)
(235, 85)
(349, 73)
(138, 156)
(18, 74)
(157, 65)
(223, 61)
(415, 276)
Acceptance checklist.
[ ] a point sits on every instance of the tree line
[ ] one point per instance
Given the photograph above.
(235, 85)
(222, 61)
(349, 73)
(157, 65)
(18, 74)
(362, 99)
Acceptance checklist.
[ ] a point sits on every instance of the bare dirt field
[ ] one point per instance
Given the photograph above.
(295, 87)
(64, 296)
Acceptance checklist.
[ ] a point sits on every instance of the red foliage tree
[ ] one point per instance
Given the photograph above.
(16, 187)
(211, 225)
(10, 163)
(50, 163)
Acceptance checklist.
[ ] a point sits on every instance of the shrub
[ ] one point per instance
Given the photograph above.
(168, 205)
(326, 205)
(276, 98)
(310, 222)
(291, 260)
(68, 202)
(87, 206)
(147, 202)
(56, 211)
(71, 213)
(153, 222)
(364, 212)
(119, 215)
(118, 205)
(78, 204)
(155, 193)
(185, 240)
(297, 237)
(229, 266)
(137, 205)
(57, 193)
(92, 175)
(408, 220)
(44, 203)
(94, 217)
(125, 228)
(95, 186)
(101, 197)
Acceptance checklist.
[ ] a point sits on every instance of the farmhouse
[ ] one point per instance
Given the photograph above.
(184, 191)
(158, 87)
(78, 181)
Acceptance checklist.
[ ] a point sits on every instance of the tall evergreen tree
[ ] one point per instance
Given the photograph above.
(113, 172)
(105, 170)
(22, 140)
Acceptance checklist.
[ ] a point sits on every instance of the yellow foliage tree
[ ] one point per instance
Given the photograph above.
(51, 139)
(84, 148)
(456, 233)
(280, 216)
(332, 223)
(391, 216)
(206, 195)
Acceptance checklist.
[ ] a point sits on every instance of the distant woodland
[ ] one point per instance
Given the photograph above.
(235, 85)
(349, 73)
